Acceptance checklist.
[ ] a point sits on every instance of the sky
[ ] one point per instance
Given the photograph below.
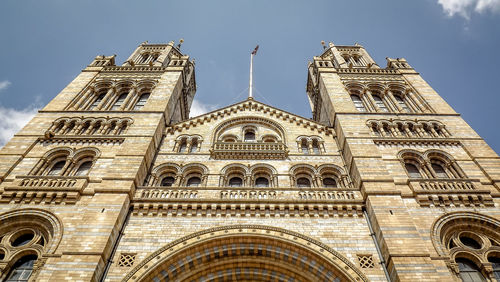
(453, 44)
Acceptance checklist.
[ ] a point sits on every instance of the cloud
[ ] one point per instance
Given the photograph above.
(199, 108)
(4, 84)
(12, 120)
(465, 8)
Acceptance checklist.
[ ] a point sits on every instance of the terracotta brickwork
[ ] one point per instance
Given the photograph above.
(112, 181)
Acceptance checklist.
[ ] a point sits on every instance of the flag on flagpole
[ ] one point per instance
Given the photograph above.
(254, 52)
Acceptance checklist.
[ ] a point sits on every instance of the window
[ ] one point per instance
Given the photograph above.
(469, 271)
(249, 135)
(358, 103)
(57, 168)
(183, 146)
(167, 181)
(141, 102)
(375, 129)
(412, 170)
(315, 147)
(439, 170)
(495, 264)
(22, 269)
(303, 182)
(235, 182)
(193, 181)
(402, 104)
(380, 104)
(84, 168)
(329, 182)
(119, 102)
(304, 147)
(261, 182)
(387, 130)
(97, 101)
(194, 146)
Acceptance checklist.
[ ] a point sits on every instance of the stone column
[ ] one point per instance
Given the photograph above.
(130, 95)
(106, 98)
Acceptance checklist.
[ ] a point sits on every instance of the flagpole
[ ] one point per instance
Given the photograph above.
(250, 94)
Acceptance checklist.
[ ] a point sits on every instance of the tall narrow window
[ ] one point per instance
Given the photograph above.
(375, 129)
(412, 170)
(141, 102)
(183, 146)
(315, 146)
(304, 147)
(380, 104)
(261, 182)
(249, 135)
(194, 146)
(387, 130)
(119, 102)
(84, 168)
(469, 272)
(22, 269)
(97, 101)
(57, 168)
(402, 104)
(358, 103)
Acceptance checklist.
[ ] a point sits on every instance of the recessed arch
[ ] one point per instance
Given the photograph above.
(257, 250)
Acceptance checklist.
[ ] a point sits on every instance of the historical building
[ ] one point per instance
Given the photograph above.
(112, 181)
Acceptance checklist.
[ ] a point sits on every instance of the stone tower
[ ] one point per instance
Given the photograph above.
(112, 181)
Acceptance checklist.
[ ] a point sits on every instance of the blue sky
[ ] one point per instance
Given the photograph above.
(453, 44)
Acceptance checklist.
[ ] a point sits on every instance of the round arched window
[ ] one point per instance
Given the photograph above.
(57, 168)
(439, 170)
(249, 135)
(193, 181)
(235, 182)
(84, 168)
(329, 182)
(412, 170)
(167, 181)
(469, 271)
(303, 182)
(261, 182)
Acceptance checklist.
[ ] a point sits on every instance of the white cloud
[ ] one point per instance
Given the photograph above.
(11, 120)
(199, 108)
(4, 84)
(465, 8)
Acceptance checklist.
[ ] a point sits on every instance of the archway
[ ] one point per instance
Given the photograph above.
(245, 253)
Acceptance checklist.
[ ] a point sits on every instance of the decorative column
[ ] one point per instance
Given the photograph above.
(82, 99)
(394, 101)
(106, 98)
(130, 95)
(371, 103)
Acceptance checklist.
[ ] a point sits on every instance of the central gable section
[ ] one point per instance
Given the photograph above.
(249, 130)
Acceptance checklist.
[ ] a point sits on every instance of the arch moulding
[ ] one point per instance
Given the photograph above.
(314, 248)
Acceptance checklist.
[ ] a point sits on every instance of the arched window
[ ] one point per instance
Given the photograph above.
(97, 101)
(84, 168)
(22, 269)
(235, 182)
(358, 103)
(141, 102)
(85, 126)
(249, 135)
(439, 170)
(57, 168)
(183, 146)
(261, 182)
(401, 129)
(193, 181)
(412, 170)
(304, 147)
(119, 102)
(167, 181)
(375, 129)
(194, 146)
(303, 182)
(380, 104)
(315, 146)
(469, 272)
(402, 104)
(495, 264)
(387, 130)
(329, 182)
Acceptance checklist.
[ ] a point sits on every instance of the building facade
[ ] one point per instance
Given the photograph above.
(112, 181)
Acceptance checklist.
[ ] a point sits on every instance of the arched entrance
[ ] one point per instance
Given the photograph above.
(245, 253)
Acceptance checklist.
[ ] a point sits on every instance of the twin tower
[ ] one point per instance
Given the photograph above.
(112, 181)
